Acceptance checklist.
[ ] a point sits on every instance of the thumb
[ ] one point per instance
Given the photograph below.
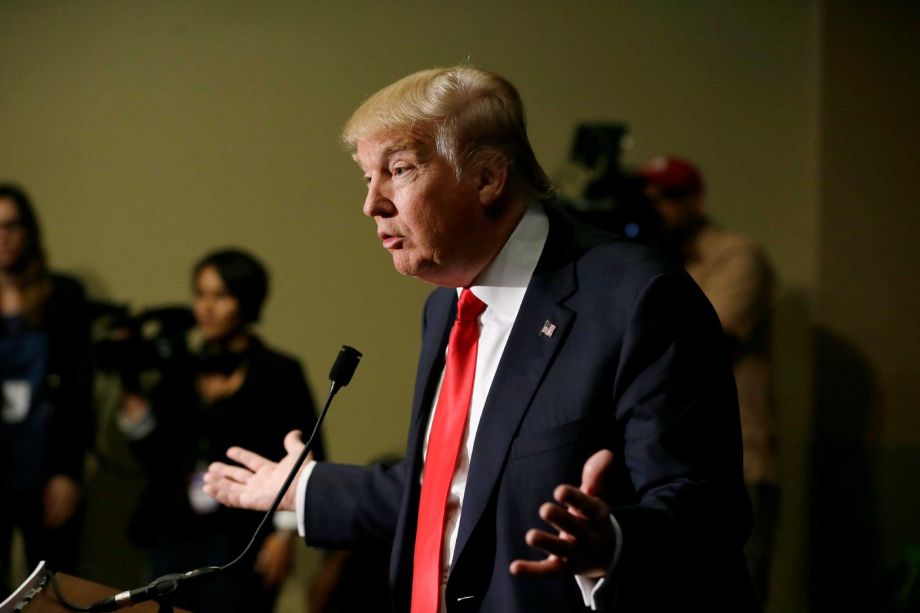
(594, 472)
(292, 442)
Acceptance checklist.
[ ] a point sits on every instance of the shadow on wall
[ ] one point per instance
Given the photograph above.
(843, 517)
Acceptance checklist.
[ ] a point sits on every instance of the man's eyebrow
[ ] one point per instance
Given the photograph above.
(390, 151)
(408, 146)
(415, 147)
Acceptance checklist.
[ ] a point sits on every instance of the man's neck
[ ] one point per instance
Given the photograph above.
(496, 237)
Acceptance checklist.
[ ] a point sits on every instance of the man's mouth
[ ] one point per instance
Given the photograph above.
(390, 241)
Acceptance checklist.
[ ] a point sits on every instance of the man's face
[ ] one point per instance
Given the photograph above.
(425, 216)
(676, 213)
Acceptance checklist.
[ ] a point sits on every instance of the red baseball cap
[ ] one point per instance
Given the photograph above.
(672, 175)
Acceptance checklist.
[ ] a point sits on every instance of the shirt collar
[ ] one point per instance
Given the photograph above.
(503, 283)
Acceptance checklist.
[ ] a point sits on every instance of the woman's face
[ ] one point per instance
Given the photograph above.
(217, 312)
(12, 235)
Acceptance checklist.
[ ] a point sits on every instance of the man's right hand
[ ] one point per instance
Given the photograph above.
(255, 483)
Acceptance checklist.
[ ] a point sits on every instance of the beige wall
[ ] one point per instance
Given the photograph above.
(149, 133)
(868, 298)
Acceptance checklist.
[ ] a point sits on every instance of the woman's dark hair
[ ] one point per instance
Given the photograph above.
(33, 254)
(245, 277)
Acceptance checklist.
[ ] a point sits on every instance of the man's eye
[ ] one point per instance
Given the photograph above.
(400, 170)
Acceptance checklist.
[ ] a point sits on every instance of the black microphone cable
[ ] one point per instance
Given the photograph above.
(340, 375)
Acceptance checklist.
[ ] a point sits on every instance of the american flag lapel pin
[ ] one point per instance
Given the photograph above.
(547, 329)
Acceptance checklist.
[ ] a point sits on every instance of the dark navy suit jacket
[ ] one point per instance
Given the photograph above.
(636, 364)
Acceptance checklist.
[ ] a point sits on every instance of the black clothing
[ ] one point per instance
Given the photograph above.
(58, 429)
(272, 400)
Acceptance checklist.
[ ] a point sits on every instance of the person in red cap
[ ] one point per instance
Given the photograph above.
(736, 276)
(675, 187)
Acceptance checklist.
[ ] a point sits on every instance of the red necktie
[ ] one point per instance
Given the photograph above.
(443, 444)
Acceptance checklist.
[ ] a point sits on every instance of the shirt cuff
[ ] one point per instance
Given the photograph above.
(592, 588)
(285, 520)
(301, 497)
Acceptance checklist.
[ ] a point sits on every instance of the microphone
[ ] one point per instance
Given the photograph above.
(343, 368)
(340, 375)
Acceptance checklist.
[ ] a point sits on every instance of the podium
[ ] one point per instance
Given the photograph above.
(82, 592)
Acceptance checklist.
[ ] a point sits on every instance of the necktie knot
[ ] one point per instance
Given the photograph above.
(469, 307)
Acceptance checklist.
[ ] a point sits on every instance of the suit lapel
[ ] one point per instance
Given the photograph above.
(440, 314)
(524, 361)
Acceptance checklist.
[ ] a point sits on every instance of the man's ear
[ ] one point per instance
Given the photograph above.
(492, 180)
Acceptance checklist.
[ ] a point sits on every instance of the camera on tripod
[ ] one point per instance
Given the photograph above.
(129, 345)
(595, 188)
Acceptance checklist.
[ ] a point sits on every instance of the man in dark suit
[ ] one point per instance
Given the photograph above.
(574, 439)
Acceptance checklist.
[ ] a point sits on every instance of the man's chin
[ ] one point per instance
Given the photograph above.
(418, 270)
(405, 265)
(429, 272)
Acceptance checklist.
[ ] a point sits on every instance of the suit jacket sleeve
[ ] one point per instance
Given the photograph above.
(346, 506)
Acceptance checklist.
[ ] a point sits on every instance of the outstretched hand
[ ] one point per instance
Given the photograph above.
(584, 540)
(255, 483)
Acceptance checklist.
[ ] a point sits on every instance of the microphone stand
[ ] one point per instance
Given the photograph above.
(340, 375)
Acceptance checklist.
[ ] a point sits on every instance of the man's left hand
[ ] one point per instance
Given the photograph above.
(584, 540)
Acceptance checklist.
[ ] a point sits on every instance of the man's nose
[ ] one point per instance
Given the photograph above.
(377, 203)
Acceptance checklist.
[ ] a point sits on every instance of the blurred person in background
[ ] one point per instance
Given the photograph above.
(736, 276)
(46, 420)
(234, 391)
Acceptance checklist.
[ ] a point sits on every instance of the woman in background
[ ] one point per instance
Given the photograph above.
(46, 422)
(236, 391)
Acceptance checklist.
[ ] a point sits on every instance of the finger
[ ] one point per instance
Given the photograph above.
(216, 472)
(595, 471)
(250, 460)
(226, 492)
(293, 442)
(551, 544)
(538, 568)
(221, 494)
(580, 502)
(565, 521)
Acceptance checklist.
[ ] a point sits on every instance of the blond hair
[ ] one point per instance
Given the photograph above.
(474, 116)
